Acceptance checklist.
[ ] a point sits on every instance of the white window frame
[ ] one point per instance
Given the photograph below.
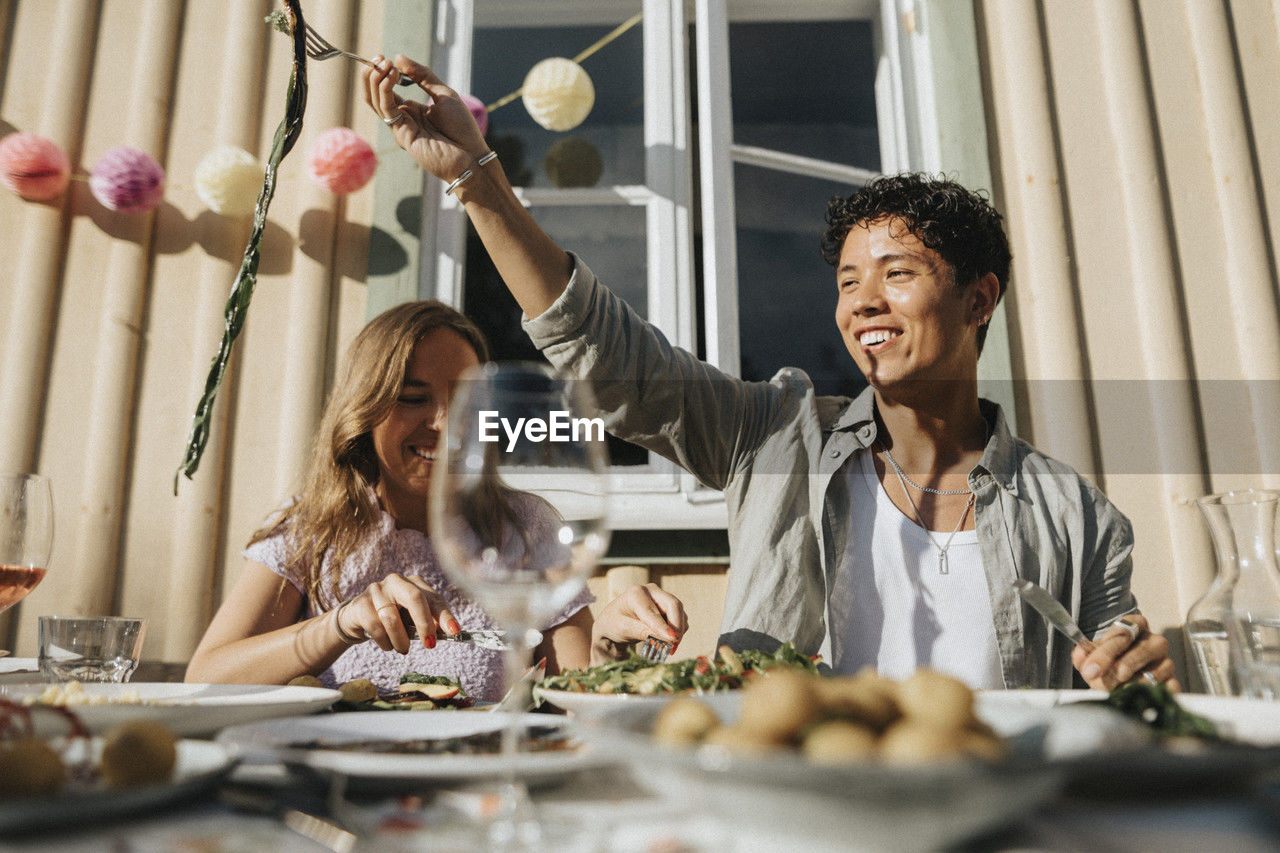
(660, 495)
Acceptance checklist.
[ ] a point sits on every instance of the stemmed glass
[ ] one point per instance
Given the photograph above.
(26, 535)
(519, 518)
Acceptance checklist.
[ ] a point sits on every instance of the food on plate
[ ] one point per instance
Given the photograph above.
(73, 693)
(138, 753)
(926, 717)
(685, 722)
(701, 675)
(305, 681)
(1154, 705)
(29, 767)
(132, 754)
(359, 690)
(837, 741)
(416, 692)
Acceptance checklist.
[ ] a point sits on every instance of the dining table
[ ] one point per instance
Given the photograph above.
(613, 804)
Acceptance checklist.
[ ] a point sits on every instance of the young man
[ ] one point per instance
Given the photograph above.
(884, 530)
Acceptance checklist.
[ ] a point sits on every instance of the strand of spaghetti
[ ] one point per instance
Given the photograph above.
(611, 36)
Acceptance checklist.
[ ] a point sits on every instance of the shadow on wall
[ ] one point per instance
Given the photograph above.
(224, 238)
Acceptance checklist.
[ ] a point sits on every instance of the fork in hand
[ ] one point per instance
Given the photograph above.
(319, 49)
(655, 650)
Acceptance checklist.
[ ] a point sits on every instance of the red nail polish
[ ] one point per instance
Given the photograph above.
(430, 642)
(454, 627)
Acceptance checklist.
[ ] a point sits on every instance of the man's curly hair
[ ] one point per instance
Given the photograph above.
(957, 223)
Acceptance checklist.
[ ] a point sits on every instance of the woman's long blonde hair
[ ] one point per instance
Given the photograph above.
(337, 508)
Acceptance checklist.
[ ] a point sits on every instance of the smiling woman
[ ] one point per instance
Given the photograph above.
(338, 582)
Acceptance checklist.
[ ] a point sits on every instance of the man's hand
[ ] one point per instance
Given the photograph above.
(1128, 650)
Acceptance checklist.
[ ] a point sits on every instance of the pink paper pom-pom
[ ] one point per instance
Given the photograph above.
(341, 161)
(127, 179)
(478, 112)
(33, 167)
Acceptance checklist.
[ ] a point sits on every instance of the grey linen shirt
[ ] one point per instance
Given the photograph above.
(778, 452)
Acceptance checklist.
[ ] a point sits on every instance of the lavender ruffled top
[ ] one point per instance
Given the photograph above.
(388, 551)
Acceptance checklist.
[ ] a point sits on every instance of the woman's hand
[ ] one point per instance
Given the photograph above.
(379, 613)
(635, 615)
(441, 135)
(1125, 653)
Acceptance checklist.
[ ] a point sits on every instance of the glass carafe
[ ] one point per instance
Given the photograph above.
(1234, 629)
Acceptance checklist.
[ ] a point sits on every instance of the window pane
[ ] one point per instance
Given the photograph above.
(612, 242)
(807, 88)
(786, 292)
(502, 56)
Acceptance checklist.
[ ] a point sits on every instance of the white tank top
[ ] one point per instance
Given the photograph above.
(891, 607)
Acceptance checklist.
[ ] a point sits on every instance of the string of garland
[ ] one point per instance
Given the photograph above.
(237, 306)
(610, 36)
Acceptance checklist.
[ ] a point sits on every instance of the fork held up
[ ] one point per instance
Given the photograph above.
(319, 49)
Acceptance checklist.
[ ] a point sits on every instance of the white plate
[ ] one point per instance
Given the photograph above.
(201, 765)
(721, 701)
(271, 740)
(1105, 752)
(18, 669)
(1246, 721)
(189, 709)
(864, 806)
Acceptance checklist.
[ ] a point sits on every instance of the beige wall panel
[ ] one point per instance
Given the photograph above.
(1145, 186)
(1120, 406)
(1257, 27)
(322, 288)
(229, 88)
(701, 590)
(168, 557)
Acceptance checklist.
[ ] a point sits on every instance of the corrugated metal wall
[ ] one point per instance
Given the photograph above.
(111, 320)
(1137, 153)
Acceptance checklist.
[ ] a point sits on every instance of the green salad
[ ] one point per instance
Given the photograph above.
(1156, 706)
(701, 674)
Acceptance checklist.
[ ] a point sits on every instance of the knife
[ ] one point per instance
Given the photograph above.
(484, 639)
(1048, 607)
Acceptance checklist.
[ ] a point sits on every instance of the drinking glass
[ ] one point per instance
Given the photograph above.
(518, 517)
(90, 648)
(26, 534)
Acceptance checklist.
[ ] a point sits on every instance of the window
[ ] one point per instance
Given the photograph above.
(721, 131)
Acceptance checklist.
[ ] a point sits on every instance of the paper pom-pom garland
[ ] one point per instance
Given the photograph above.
(341, 161)
(33, 167)
(127, 179)
(558, 93)
(228, 179)
(478, 112)
(573, 162)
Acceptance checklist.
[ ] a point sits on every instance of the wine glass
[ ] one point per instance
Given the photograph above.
(26, 535)
(518, 518)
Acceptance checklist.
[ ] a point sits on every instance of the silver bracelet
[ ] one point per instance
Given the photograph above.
(487, 158)
(349, 639)
(456, 181)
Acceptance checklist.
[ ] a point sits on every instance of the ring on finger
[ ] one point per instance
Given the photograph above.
(1133, 628)
(1150, 678)
(382, 607)
(394, 120)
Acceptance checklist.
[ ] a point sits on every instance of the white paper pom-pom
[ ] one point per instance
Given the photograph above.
(558, 93)
(228, 180)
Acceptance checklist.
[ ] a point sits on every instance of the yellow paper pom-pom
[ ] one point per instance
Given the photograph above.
(558, 93)
(228, 180)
